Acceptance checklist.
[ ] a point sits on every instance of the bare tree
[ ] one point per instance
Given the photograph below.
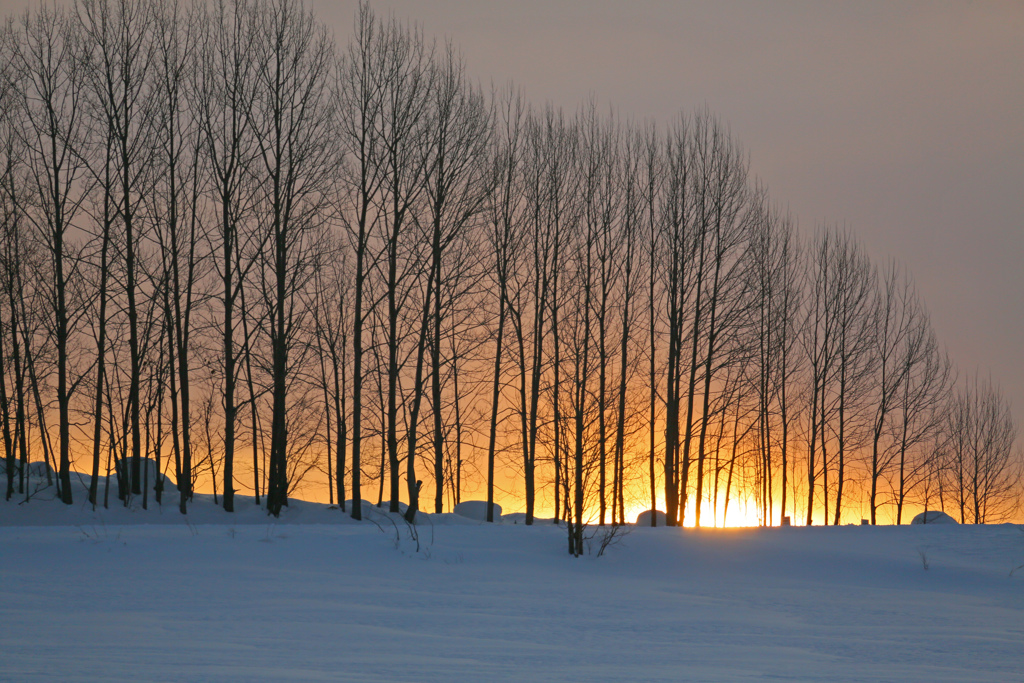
(48, 65)
(118, 35)
(455, 192)
(896, 317)
(290, 117)
(775, 288)
(817, 341)
(920, 404)
(850, 302)
(837, 339)
(577, 308)
(676, 248)
(984, 471)
(722, 203)
(331, 320)
(789, 288)
(12, 256)
(910, 382)
(554, 210)
(631, 281)
(505, 235)
(223, 92)
(700, 236)
(175, 205)
(360, 108)
(651, 167)
(601, 174)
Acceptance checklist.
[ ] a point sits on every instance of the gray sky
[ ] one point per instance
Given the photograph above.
(903, 120)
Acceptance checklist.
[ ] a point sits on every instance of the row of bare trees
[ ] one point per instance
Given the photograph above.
(239, 255)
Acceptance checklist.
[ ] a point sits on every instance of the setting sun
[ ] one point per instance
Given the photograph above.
(742, 512)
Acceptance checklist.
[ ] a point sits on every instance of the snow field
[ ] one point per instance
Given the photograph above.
(306, 600)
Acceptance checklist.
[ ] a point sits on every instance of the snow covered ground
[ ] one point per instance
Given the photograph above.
(144, 596)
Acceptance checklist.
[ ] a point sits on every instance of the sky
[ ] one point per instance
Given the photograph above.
(903, 121)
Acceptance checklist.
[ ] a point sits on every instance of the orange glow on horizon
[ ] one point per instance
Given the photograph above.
(744, 511)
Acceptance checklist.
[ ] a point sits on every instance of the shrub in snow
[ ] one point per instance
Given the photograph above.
(644, 518)
(476, 509)
(933, 517)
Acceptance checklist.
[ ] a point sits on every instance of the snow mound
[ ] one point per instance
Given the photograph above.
(364, 505)
(384, 506)
(41, 477)
(147, 470)
(36, 469)
(644, 518)
(520, 518)
(476, 509)
(933, 517)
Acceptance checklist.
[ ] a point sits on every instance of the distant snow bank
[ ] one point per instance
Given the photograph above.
(42, 508)
(933, 517)
(644, 518)
(39, 476)
(38, 506)
(476, 509)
